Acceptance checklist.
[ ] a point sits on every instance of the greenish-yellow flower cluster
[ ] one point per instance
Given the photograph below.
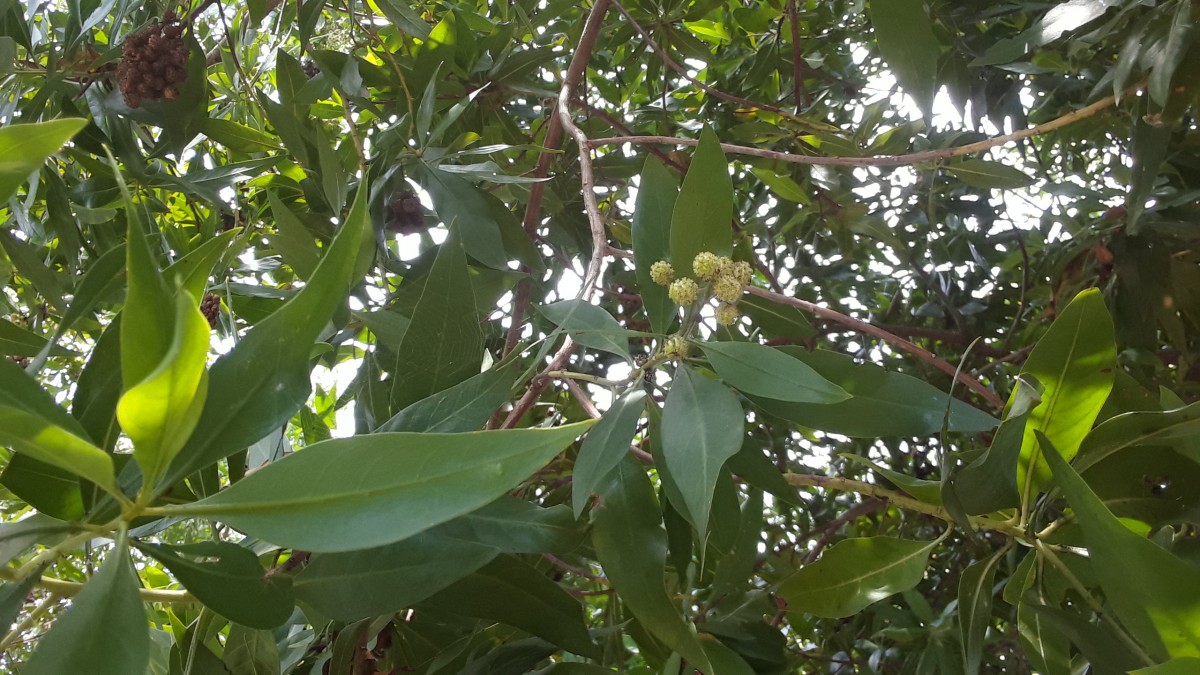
(675, 347)
(683, 292)
(662, 273)
(724, 279)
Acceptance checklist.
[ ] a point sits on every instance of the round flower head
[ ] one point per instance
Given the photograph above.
(675, 347)
(727, 289)
(662, 273)
(683, 291)
(706, 266)
(742, 271)
(727, 314)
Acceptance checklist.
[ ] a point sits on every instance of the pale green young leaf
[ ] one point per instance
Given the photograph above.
(25, 147)
(40, 439)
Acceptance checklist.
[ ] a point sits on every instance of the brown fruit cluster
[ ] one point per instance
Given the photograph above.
(153, 62)
(405, 213)
(210, 307)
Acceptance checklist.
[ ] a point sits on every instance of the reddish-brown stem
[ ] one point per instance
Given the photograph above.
(875, 331)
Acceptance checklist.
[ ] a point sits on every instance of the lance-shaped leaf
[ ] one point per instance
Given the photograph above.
(975, 608)
(250, 652)
(703, 215)
(443, 344)
(104, 632)
(1184, 666)
(1074, 363)
(513, 525)
(605, 445)
(31, 435)
(632, 546)
(351, 493)
(989, 483)
(702, 426)
(589, 325)
(509, 591)
(1161, 610)
(905, 37)
(464, 407)
(228, 580)
(25, 147)
(1178, 428)
(264, 380)
(928, 491)
(357, 584)
(160, 412)
(855, 573)
(652, 238)
(764, 371)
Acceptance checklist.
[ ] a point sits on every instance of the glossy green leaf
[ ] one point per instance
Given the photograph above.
(148, 320)
(250, 652)
(1046, 648)
(512, 525)
(25, 147)
(237, 136)
(928, 491)
(988, 175)
(759, 370)
(292, 239)
(1074, 362)
(351, 493)
(905, 37)
(855, 573)
(1163, 619)
(657, 191)
(468, 209)
(1179, 429)
(776, 320)
(1184, 666)
(1153, 485)
(589, 325)
(1150, 145)
(702, 426)
(160, 411)
(989, 483)
(466, 406)
(369, 582)
(37, 528)
(98, 389)
(632, 547)
(104, 632)
(12, 599)
(882, 403)
(604, 447)
(975, 590)
(44, 441)
(703, 216)
(228, 580)
(443, 345)
(29, 263)
(1105, 652)
(259, 384)
(512, 592)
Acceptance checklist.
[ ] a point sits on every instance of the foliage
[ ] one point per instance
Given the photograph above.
(730, 337)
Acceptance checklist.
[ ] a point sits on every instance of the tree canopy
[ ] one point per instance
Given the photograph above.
(720, 336)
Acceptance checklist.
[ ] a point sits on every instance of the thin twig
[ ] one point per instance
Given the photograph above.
(869, 329)
(799, 91)
(884, 160)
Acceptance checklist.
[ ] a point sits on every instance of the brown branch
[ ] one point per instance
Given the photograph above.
(884, 160)
(799, 92)
(875, 331)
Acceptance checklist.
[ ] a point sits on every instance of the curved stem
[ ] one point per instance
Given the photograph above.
(873, 330)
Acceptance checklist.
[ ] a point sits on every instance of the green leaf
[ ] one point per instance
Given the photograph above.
(987, 175)
(250, 652)
(29, 263)
(1156, 610)
(468, 209)
(1047, 649)
(25, 147)
(104, 632)
(258, 385)
(512, 592)
(882, 403)
(1184, 666)
(98, 389)
(928, 491)
(44, 441)
(292, 239)
(513, 525)
(236, 136)
(604, 446)
(1149, 147)
(702, 427)
(855, 573)
(589, 325)
(12, 599)
(1178, 429)
(351, 493)
(228, 580)
(443, 344)
(975, 590)
(381, 580)
(1074, 362)
(160, 411)
(989, 483)
(405, 18)
(464, 407)
(656, 195)
(905, 37)
(764, 371)
(703, 216)
(1106, 654)
(776, 320)
(632, 547)
(38, 528)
